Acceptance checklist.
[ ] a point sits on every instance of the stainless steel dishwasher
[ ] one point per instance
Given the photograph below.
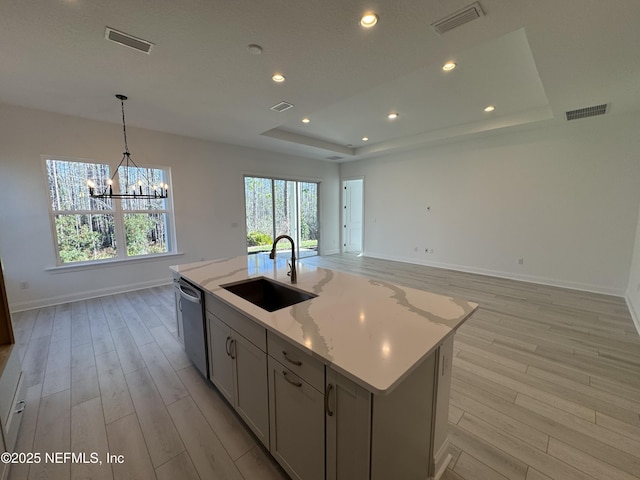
(195, 338)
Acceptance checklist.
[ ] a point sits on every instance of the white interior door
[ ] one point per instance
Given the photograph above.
(352, 198)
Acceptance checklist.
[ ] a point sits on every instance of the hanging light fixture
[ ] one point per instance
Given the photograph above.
(131, 190)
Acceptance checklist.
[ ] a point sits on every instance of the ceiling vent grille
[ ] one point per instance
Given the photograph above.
(587, 112)
(128, 40)
(334, 158)
(458, 18)
(282, 106)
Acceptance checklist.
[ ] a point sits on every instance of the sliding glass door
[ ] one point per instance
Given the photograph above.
(281, 207)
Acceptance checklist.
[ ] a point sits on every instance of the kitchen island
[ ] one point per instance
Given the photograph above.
(353, 383)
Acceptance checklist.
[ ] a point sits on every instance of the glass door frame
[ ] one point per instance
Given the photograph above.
(298, 222)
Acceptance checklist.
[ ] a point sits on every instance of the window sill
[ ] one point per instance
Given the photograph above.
(111, 262)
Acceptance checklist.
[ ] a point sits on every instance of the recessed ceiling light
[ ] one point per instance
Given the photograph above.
(278, 77)
(368, 20)
(254, 49)
(489, 108)
(393, 116)
(305, 120)
(448, 66)
(365, 139)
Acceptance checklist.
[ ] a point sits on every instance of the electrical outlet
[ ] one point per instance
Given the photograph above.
(521, 261)
(24, 285)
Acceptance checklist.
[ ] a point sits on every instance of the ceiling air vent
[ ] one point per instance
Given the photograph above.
(458, 18)
(334, 158)
(282, 106)
(587, 112)
(128, 40)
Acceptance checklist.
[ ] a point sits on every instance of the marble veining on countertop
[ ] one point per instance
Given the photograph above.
(373, 332)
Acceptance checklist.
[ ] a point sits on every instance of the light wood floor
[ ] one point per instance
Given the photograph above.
(546, 385)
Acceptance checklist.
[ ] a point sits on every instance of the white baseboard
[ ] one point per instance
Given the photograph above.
(50, 301)
(634, 314)
(585, 287)
(442, 459)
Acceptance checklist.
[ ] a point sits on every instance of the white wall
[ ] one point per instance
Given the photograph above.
(633, 290)
(563, 197)
(208, 197)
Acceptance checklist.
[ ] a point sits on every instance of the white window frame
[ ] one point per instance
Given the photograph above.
(118, 216)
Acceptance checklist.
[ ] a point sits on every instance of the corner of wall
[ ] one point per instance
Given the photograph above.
(632, 311)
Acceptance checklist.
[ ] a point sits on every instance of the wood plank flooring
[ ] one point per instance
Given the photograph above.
(546, 385)
(546, 381)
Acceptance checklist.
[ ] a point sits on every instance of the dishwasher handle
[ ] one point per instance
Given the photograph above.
(189, 294)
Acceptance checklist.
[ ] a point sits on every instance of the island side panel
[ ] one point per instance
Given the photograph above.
(441, 454)
(402, 427)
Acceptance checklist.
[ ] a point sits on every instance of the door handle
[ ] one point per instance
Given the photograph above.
(226, 347)
(186, 294)
(326, 400)
(20, 406)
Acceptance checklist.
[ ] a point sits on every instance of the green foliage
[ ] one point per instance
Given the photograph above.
(137, 228)
(77, 240)
(255, 239)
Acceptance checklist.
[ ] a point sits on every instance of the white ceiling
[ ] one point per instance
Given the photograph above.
(532, 59)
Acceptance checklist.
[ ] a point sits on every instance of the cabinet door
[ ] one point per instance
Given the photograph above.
(220, 361)
(251, 386)
(348, 428)
(296, 424)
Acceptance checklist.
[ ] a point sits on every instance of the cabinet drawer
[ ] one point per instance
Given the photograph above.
(15, 416)
(246, 327)
(301, 363)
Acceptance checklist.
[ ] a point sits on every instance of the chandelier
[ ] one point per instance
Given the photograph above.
(131, 190)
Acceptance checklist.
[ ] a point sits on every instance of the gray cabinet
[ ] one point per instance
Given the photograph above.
(297, 423)
(250, 386)
(348, 428)
(220, 360)
(399, 435)
(239, 369)
(12, 402)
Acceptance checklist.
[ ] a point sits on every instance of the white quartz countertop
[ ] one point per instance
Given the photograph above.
(373, 332)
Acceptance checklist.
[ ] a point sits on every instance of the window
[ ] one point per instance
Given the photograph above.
(276, 207)
(92, 229)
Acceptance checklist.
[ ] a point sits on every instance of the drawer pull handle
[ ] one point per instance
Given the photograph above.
(20, 406)
(296, 384)
(297, 363)
(326, 400)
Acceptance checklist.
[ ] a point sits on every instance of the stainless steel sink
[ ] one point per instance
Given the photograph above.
(268, 294)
